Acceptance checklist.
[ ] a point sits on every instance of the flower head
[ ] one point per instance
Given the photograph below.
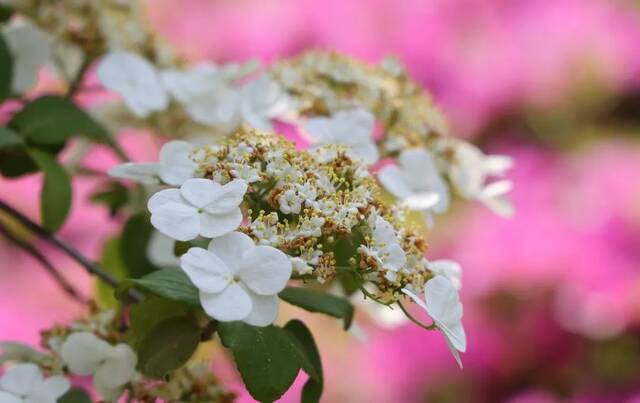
(24, 383)
(136, 80)
(200, 207)
(237, 279)
(442, 304)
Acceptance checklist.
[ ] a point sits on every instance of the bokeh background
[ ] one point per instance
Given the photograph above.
(552, 296)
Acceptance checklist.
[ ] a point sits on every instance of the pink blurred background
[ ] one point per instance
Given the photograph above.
(552, 296)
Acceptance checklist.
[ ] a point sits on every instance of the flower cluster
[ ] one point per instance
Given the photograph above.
(95, 347)
(274, 212)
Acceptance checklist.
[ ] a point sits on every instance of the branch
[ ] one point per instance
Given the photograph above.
(88, 265)
(66, 286)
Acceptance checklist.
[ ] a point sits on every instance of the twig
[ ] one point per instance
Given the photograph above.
(46, 264)
(414, 320)
(88, 265)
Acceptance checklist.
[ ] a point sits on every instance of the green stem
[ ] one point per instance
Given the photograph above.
(414, 320)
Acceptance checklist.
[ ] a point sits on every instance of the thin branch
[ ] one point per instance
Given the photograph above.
(88, 265)
(66, 286)
(414, 320)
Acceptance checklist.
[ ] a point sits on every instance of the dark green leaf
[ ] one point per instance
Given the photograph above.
(55, 199)
(5, 13)
(6, 69)
(168, 346)
(135, 238)
(75, 395)
(113, 195)
(168, 283)
(350, 281)
(309, 359)
(9, 138)
(266, 357)
(147, 314)
(316, 301)
(51, 120)
(111, 261)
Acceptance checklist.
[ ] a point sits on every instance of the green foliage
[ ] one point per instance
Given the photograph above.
(149, 313)
(113, 195)
(111, 261)
(168, 345)
(75, 395)
(52, 120)
(6, 68)
(309, 358)
(266, 357)
(133, 248)
(168, 283)
(9, 138)
(316, 301)
(55, 199)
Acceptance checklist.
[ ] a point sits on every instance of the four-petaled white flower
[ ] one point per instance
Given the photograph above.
(136, 80)
(470, 170)
(261, 100)
(353, 128)
(24, 383)
(237, 279)
(416, 182)
(290, 202)
(385, 248)
(174, 168)
(443, 305)
(200, 207)
(31, 50)
(112, 367)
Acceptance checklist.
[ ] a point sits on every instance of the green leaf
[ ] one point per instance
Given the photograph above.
(111, 261)
(9, 138)
(113, 195)
(266, 357)
(168, 283)
(55, 199)
(149, 313)
(135, 238)
(168, 346)
(75, 395)
(51, 120)
(309, 359)
(6, 69)
(316, 301)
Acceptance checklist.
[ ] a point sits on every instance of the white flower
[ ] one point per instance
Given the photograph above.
(24, 383)
(443, 305)
(160, 250)
(238, 280)
(200, 207)
(290, 202)
(112, 367)
(300, 265)
(247, 172)
(136, 80)
(449, 269)
(416, 182)
(205, 94)
(385, 248)
(469, 173)
(353, 128)
(174, 168)
(31, 49)
(261, 100)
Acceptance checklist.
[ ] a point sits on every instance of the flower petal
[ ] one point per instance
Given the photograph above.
(230, 248)
(421, 201)
(179, 221)
(443, 305)
(231, 304)
(82, 352)
(358, 123)
(6, 397)
(265, 309)
(215, 225)
(206, 270)
(117, 369)
(228, 197)
(415, 298)
(21, 379)
(448, 268)
(395, 257)
(366, 150)
(393, 180)
(164, 197)
(199, 191)
(265, 270)
(52, 388)
(145, 172)
(320, 129)
(175, 164)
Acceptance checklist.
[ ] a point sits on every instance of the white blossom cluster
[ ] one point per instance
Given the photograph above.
(275, 213)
